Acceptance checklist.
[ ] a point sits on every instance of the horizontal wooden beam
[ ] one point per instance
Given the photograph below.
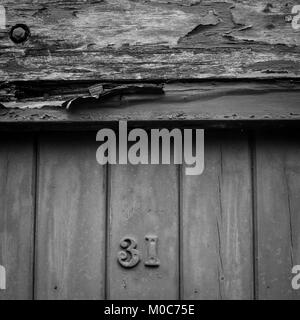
(209, 104)
(149, 39)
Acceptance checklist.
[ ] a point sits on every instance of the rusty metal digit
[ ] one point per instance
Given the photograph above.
(152, 260)
(129, 257)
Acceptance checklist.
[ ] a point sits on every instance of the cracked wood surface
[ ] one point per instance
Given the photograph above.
(150, 39)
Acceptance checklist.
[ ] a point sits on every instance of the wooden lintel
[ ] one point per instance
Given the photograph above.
(209, 104)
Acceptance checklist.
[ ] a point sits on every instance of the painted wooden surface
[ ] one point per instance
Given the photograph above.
(17, 215)
(226, 103)
(144, 201)
(147, 39)
(232, 233)
(217, 222)
(70, 233)
(278, 219)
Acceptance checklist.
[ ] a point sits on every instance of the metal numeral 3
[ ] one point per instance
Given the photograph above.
(130, 256)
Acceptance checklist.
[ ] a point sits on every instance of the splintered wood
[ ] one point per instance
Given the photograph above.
(169, 39)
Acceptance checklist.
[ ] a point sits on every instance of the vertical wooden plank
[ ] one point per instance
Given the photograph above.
(217, 222)
(278, 218)
(71, 219)
(16, 215)
(144, 201)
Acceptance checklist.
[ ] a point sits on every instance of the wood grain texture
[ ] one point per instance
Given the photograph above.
(70, 258)
(226, 102)
(217, 261)
(278, 220)
(144, 201)
(150, 39)
(17, 166)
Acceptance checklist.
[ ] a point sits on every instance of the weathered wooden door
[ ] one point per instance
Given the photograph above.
(231, 233)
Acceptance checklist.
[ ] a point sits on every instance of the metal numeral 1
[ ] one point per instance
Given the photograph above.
(152, 260)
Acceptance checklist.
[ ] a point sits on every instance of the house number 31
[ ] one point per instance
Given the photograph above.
(130, 256)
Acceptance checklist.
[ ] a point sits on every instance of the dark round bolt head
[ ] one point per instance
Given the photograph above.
(19, 33)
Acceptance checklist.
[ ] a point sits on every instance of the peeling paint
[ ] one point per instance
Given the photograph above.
(145, 40)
